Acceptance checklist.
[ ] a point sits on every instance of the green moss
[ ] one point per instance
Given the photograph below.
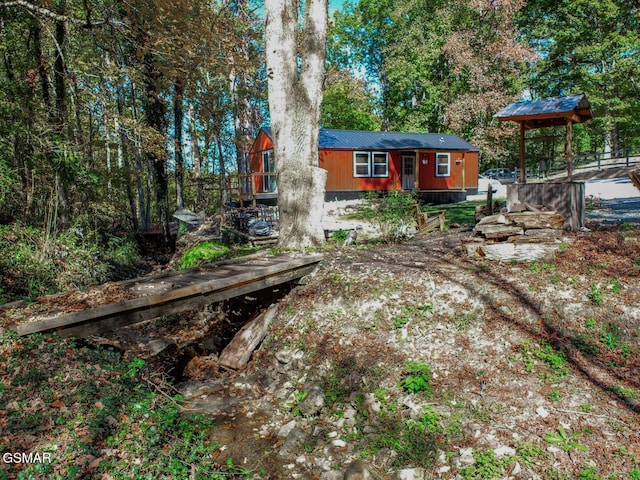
(206, 251)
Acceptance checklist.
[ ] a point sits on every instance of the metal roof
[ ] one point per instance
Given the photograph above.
(576, 107)
(363, 140)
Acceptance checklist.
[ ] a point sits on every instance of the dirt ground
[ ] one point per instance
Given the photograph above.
(518, 352)
(538, 363)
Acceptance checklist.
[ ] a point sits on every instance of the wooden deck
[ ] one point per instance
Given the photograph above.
(174, 292)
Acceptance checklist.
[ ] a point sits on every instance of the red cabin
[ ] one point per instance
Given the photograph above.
(440, 168)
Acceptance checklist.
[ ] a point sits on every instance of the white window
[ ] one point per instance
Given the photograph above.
(443, 164)
(268, 170)
(370, 164)
(361, 164)
(380, 164)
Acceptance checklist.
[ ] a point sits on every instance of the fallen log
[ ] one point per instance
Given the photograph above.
(238, 352)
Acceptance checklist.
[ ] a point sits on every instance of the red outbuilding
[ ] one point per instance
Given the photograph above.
(440, 168)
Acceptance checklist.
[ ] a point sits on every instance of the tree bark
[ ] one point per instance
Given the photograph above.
(178, 117)
(155, 118)
(197, 160)
(124, 146)
(296, 73)
(61, 116)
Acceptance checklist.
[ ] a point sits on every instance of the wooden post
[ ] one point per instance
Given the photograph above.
(568, 150)
(523, 171)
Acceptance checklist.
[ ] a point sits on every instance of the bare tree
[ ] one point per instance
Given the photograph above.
(295, 50)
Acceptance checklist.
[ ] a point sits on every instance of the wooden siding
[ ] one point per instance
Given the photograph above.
(261, 144)
(340, 178)
(456, 180)
(339, 164)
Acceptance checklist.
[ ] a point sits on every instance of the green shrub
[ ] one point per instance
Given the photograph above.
(340, 235)
(35, 263)
(392, 213)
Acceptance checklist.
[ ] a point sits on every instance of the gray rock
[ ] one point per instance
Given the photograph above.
(409, 474)
(287, 356)
(371, 404)
(159, 345)
(466, 458)
(287, 428)
(335, 446)
(357, 470)
(212, 343)
(294, 443)
(313, 402)
(332, 475)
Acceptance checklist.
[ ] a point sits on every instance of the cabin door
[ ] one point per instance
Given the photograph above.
(408, 172)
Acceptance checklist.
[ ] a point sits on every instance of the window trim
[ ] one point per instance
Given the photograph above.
(268, 171)
(448, 164)
(357, 153)
(370, 164)
(386, 164)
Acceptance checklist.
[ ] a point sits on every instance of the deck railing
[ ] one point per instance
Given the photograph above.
(597, 161)
(247, 186)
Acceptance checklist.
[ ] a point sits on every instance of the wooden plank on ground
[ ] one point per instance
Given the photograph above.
(128, 312)
(238, 352)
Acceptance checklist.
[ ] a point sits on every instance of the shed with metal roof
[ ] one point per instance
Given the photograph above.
(439, 167)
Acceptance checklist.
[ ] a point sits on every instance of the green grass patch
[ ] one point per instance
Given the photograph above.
(486, 466)
(203, 252)
(554, 360)
(415, 441)
(461, 213)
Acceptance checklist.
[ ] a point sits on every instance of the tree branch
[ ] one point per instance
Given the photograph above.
(44, 12)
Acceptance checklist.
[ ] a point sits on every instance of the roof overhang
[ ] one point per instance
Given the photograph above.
(548, 112)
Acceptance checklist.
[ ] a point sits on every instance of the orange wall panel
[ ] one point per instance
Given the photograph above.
(427, 179)
(339, 165)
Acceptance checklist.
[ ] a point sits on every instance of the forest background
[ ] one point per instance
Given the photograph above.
(115, 113)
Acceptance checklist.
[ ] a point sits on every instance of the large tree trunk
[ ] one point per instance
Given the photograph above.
(296, 72)
(154, 117)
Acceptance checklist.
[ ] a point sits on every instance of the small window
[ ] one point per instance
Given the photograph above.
(443, 164)
(361, 164)
(268, 172)
(380, 164)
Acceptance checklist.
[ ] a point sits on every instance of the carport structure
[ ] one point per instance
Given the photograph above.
(548, 112)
